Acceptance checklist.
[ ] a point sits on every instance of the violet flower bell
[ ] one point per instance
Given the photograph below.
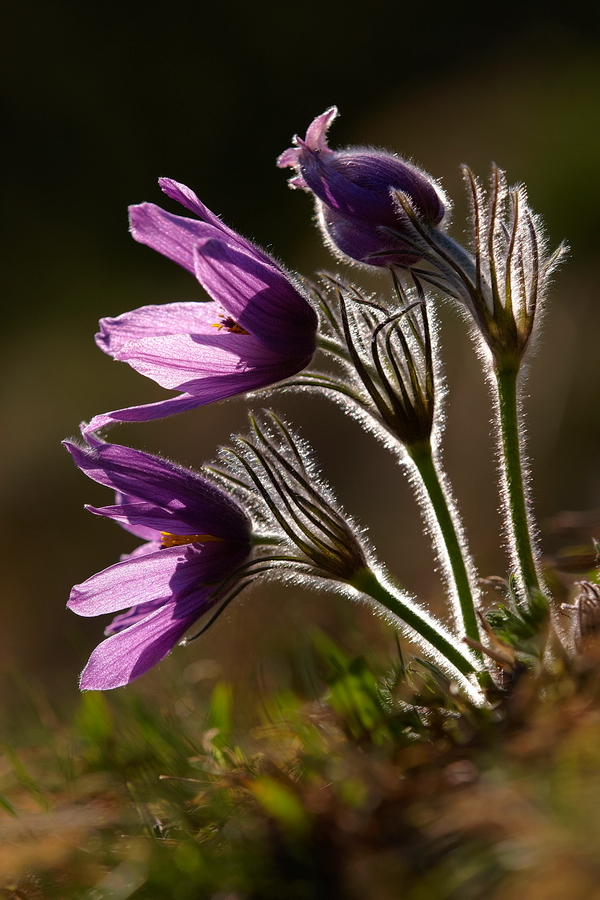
(197, 536)
(356, 200)
(258, 329)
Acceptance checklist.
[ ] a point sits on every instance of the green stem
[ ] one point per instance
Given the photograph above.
(367, 582)
(422, 457)
(513, 496)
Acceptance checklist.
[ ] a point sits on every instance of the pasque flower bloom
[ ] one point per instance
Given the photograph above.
(258, 329)
(354, 191)
(196, 537)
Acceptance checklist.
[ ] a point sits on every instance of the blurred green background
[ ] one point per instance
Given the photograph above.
(99, 99)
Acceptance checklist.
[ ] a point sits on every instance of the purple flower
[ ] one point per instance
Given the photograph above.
(259, 329)
(354, 195)
(196, 537)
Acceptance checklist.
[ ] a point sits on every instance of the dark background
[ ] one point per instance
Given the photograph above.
(99, 99)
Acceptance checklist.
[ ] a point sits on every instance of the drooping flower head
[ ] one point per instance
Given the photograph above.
(196, 537)
(258, 329)
(354, 190)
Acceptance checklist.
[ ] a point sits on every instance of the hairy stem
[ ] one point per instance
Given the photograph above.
(452, 553)
(518, 524)
(418, 621)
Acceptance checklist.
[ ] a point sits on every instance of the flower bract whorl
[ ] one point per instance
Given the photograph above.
(196, 537)
(275, 467)
(388, 359)
(512, 267)
(357, 209)
(504, 282)
(259, 328)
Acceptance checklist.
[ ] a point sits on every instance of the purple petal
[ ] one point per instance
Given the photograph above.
(133, 650)
(130, 653)
(289, 158)
(148, 516)
(361, 241)
(344, 195)
(129, 618)
(380, 172)
(316, 135)
(173, 236)
(154, 321)
(142, 550)
(211, 366)
(130, 583)
(273, 369)
(206, 508)
(188, 198)
(176, 236)
(206, 367)
(182, 194)
(141, 531)
(316, 140)
(177, 572)
(260, 298)
(144, 413)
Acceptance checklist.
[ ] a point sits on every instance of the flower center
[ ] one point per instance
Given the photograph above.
(175, 540)
(230, 325)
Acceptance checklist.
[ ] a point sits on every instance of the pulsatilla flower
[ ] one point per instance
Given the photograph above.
(196, 537)
(258, 329)
(355, 192)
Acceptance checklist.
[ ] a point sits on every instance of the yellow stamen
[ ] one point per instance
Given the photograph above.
(175, 540)
(231, 325)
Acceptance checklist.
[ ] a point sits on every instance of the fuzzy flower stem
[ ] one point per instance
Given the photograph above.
(515, 504)
(367, 582)
(422, 457)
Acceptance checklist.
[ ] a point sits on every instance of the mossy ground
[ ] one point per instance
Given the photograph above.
(353, 794)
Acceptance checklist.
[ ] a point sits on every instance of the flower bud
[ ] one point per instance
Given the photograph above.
(276, 471)
(355, 195)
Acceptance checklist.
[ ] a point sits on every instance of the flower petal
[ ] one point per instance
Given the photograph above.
(203, 505)
(132, 616)
(152, 518)
(175, 573)
(176, 236)
(173, 236)
(315, 140)
(154, 321)
(144, 413)
(141, 531)
(211, 366)
(362, 242)
(344, 195)
(142, 550)
(182, 194)
(134, 651)
(316, 134)
(130, 583)
(260, 298)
